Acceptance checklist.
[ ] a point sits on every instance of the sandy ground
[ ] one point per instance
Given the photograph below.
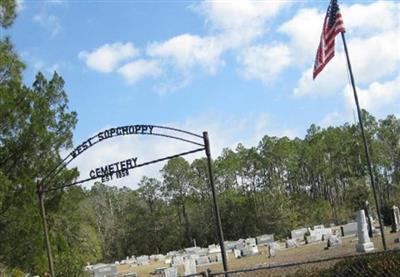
(301, 254)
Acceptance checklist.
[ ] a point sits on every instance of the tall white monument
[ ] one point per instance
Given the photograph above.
(364, 243)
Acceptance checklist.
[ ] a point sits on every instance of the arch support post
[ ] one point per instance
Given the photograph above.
(40, 192)
(214, 196)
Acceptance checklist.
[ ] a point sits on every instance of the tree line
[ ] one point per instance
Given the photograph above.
(273, 187)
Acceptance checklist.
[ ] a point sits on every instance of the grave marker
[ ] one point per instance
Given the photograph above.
(364, 243)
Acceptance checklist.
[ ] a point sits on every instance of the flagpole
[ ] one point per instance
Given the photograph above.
(365, 142)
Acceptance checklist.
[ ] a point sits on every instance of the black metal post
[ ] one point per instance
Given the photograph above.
(214, 196)
(365, 143)
(40, 193)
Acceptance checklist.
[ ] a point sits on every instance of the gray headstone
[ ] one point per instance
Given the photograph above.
(334, 241)
(349, 229)
(274, 245)
(264, 239)
(298, 234)
(313, 238)
(229, 245)
(291, 243)
(364, 243)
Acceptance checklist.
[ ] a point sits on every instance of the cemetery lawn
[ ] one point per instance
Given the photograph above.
(300, 254)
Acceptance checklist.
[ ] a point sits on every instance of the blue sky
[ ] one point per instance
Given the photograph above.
(238, 69)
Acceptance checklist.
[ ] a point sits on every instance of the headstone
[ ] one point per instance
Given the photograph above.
(271, 252)
(192, 250)
(168, 261)
(212, 249)
(349, 229)
(298, 234)
(250, 251)
(213, 258)
(142, 260)
(240, 244)
(190, 266)
(313, 238)
(102, 270)
(364, 243)
(250, 242)
(274, 245)
(202, 252)
(291, 243)
(318, 227)
(202, 260)
(172, 253)
(237, 253)
(264, 239)
(170, 272)
(177, 260)
(153, 258)
(395, 219)
(334, 241)
(230, 245)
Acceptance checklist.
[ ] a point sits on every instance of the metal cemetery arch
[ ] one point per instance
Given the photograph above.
(202, 143)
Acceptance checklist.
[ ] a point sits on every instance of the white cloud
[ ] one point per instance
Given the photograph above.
(186, 51)
(375, 56)
(379, 16)
(333, 77)
(304, 31)
(107, 57)
(376, 97)
(265, 62)
(240, 21)
(49, 22)
(134, 71)
(234, 24)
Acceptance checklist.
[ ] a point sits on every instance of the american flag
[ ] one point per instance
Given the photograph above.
(333, 25)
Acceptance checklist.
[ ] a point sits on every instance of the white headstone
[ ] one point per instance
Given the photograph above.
(202, 260)
(250, 251)
(395, 219)
(237, 253)
(334, 241)
(291, 243)
(264, 239)
(298, 234)
(364, 243)
(190, 266)
(213, 249)
(271, 251)
(250, 242)
(170, 272)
